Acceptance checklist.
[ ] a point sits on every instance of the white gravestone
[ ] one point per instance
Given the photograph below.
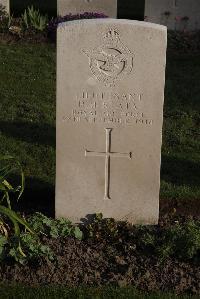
(6, 5)
(107, 7)
(110, 91)
(174, 13)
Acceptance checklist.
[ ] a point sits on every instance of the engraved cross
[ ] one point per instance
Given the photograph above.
(108, 155)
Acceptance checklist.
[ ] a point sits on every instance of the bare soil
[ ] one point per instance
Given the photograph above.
(182, 208)
(80, 263)
(94, 263)
(29, 37)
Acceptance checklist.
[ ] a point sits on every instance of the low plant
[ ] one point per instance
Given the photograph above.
(179, 241)
(25, 244)
(108, 230)
(32, 19)
(54, 228)
(53, 24)
(10, 221)
(181, 41)
(33, 245)
(5, 20)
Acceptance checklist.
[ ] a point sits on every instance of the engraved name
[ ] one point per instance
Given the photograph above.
(109, 108)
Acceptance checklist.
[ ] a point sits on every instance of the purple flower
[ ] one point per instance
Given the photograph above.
(52, 26)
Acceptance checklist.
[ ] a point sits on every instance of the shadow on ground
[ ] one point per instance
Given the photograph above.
(30, 132)
(38, 196)
(180, 171)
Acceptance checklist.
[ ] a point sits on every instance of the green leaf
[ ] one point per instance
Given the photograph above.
(15, 219)
(78, 233)
(11, 166)
(3, 242)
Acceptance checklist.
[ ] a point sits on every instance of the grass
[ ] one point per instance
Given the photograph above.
(181, 143)
(53, 292)
(27, 115)
(27, 122)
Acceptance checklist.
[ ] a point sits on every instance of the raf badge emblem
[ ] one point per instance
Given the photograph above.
(111, 61)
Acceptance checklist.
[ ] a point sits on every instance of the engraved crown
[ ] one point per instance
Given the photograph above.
(112, 33)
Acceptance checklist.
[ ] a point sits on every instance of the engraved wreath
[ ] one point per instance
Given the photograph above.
(111, 61)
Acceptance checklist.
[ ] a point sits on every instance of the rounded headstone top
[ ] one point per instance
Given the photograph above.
(111, 21)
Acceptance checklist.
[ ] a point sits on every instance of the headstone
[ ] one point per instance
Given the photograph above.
(6, 5)
(110, 91)
(107, 7)
(175, 14)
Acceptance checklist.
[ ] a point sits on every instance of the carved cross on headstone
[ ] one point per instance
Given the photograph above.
(108, 154)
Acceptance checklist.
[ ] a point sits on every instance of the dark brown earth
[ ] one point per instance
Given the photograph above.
(94, 263)
(98, 264)
(28, 38)
(183, 207)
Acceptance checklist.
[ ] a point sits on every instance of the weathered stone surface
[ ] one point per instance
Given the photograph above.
(110, 91)
(174, 13)
(6, 4)
(108, 7)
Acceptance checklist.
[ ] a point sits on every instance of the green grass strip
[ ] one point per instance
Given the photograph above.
(51, 292)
